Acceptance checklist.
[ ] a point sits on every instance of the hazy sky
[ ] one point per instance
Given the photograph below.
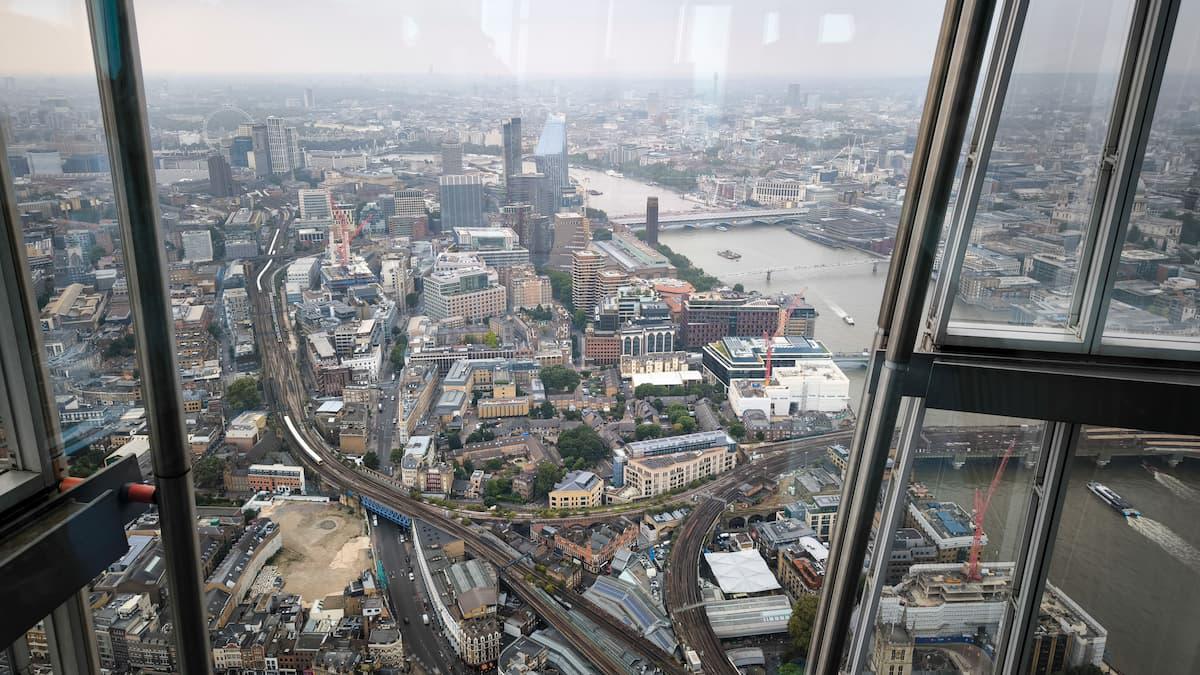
(521, 38)
(538, 38)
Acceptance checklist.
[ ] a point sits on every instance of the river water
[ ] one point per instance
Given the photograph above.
(1138, 577)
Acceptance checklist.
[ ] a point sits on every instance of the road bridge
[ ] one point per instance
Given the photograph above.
(714, 218)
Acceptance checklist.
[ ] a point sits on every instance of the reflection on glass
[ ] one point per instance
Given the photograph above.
(1121, 588)
(1156, 282)
(949, 575)
(1022, 257)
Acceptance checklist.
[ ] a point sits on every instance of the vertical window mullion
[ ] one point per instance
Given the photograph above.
(1004, 54)
(912, 421)
(1033, 562)
(1142, 74)
(27, 408)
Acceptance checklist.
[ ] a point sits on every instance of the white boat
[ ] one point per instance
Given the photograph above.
(614, 174)
(1114, 500)
(722, 228)
(848, 319)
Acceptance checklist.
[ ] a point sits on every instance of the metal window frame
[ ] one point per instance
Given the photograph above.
(31, 423)
(1147, 71)
(119, 79)
(1074, 337)
(913, 420)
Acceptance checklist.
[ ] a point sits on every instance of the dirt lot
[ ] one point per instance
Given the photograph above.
(324, 548)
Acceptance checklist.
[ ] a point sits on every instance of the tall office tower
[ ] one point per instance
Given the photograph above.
(510, 132)
(315, 205)
(572, 232)
(387, 205)
(795, 98)
(517, 217)
(308, 98)
(260, 156)
(541, 229)
(283, 144)
(550, 155)
(220, 177)
(292, 137)
(534, 189)
(241, 147)
(452, 159)
(585, 278)
(462, 201)
(652, 220)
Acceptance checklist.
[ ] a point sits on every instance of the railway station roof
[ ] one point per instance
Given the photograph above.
(741, 572)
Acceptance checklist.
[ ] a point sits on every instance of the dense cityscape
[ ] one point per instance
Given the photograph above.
(459, 400)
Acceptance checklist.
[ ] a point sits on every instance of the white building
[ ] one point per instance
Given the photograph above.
(197, 245)
(777, 192)
(283, 146)
(315, 205)
(304, 272)
(819, 386)
(472, 293)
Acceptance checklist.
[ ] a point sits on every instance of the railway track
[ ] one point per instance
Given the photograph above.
(287, 394)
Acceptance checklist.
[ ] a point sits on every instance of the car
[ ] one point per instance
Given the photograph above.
(406, 619)
(411, 577)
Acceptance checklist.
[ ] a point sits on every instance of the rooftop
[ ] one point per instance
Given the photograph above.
(741, 572)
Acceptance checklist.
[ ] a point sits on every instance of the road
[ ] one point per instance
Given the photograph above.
(407, 598)
(287, 395)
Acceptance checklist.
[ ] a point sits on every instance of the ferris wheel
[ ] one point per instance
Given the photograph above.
(214, 139)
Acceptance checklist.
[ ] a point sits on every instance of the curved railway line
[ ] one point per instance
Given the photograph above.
(286, 393)
(681, 591)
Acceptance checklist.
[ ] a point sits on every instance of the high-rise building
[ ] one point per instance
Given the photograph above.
(315, 205)
(585, 278)
(535, 189)
(652, 220)
(452, 159)
(220, 177)
(309, 102)
(462, 201)
(409, 203)
(550, 155)
(283, 146)
(510, 132)
(572, 232)
(259, 158)
(517, 218)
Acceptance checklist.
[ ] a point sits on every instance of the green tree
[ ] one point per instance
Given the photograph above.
(559, 379)
(601, 234)
(491, 339)
(371, 461)
(242, 395)
(548, 474)
(397, 455)
(208, 472)
(544, 411)
(95, 253)
(120, 347)
(686, 425)
(397, 354)
(579, 319)
(560, 287)
(800, 626)
(455, 441)
(582, 446)
(737, 430)
(644, 431)
(493, 464)
(738, 288)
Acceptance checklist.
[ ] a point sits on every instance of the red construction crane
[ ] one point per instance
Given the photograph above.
(982, 502)
(785, 313)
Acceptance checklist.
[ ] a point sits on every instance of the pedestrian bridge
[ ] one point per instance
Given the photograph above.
(703, 218)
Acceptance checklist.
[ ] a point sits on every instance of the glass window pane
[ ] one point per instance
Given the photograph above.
(1155, 288)
(1122, 589)
(938, 608)
(1022, 257)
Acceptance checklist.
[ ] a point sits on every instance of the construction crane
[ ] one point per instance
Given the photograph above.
(982, 502)
(785, 313)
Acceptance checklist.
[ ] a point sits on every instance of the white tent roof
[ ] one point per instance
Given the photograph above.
(741, 572)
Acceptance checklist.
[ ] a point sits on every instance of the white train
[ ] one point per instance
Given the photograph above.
(287, 419)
